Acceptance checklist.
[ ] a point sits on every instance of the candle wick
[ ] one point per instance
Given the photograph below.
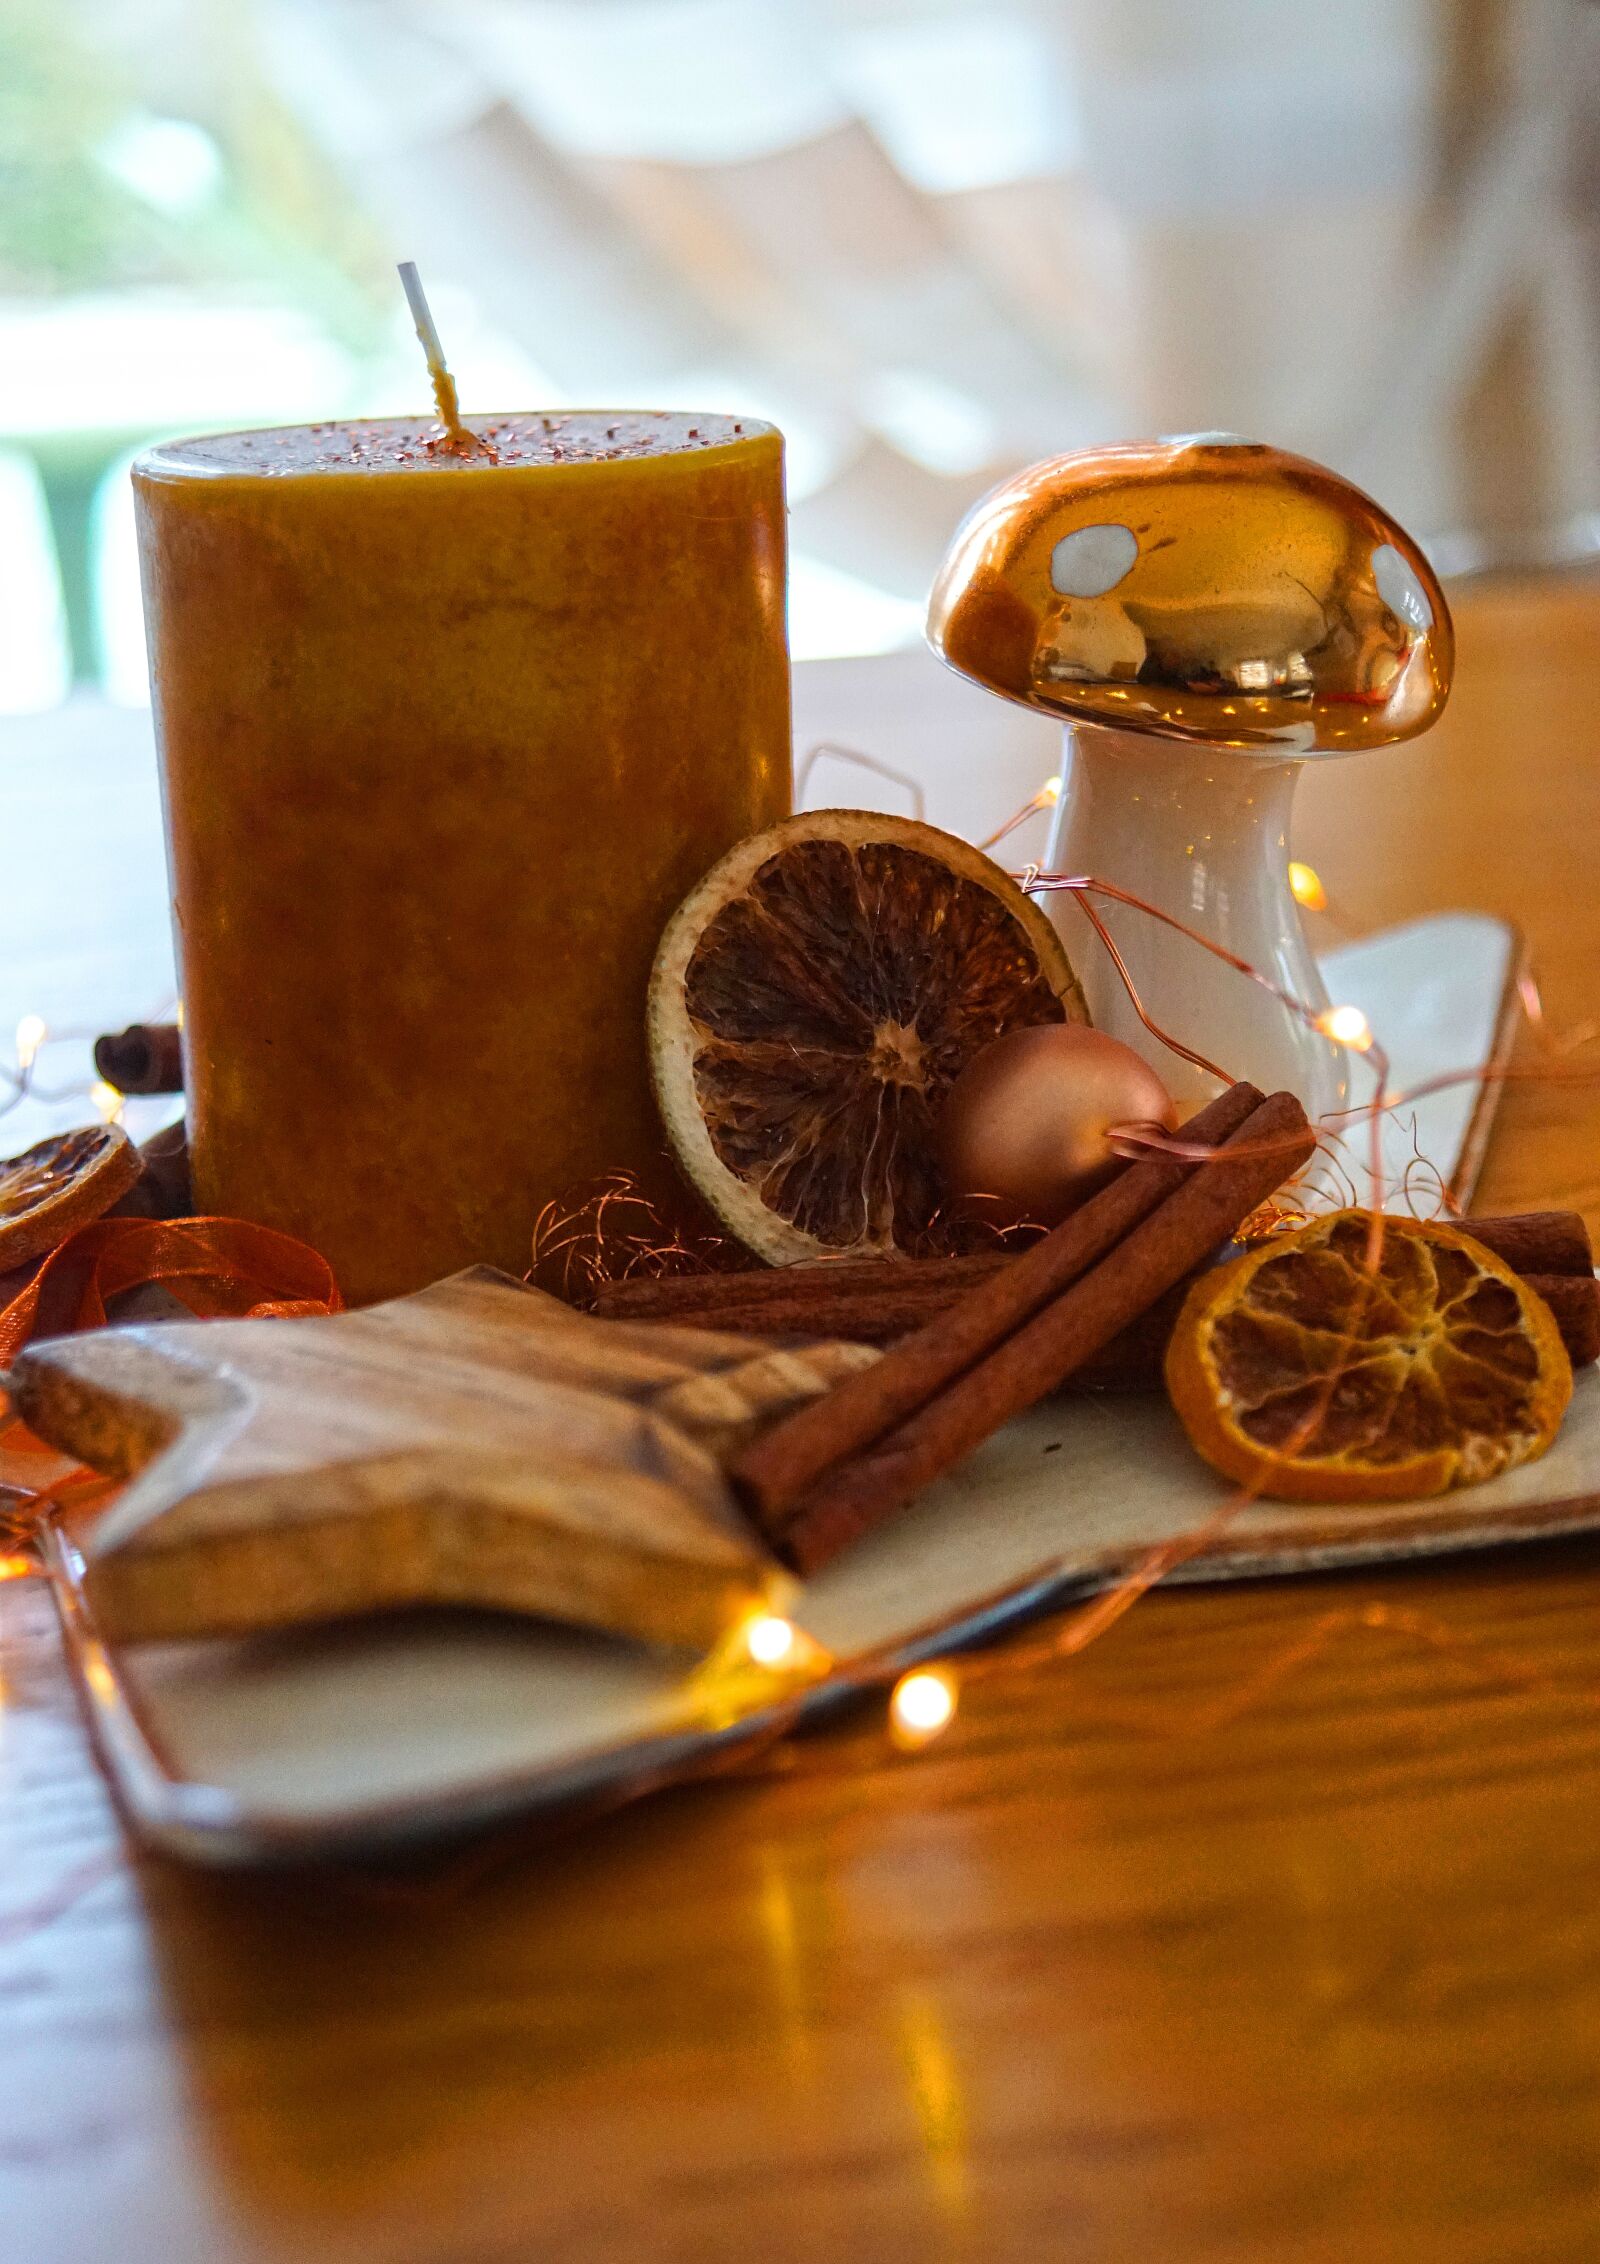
(459, 439)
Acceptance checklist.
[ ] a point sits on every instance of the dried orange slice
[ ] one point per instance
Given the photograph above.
(813, 1000)
(50, 1190)
(1303, 1374)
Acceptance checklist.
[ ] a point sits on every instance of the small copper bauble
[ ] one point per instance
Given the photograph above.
(1023, 1133)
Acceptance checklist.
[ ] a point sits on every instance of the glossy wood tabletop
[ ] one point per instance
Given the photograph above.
(1268, 1929)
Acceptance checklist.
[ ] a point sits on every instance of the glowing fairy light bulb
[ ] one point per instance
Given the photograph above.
(108, 1102)
(31, 1034)
(922, 1706)
(1047, 797)
(762, 1657)
(1305, 886)
(1347, 1026)
(770, 1640)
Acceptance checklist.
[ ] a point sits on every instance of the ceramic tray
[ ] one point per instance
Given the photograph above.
(356, 1737)
(365, 1736)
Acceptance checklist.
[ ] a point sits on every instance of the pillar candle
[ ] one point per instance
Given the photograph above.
(444, 738)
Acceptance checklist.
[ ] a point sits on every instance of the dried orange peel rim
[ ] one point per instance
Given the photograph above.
(1444, 1335)
(677, 1043)
(60, 1184)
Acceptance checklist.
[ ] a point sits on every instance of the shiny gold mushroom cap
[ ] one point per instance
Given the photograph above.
(1202, 587)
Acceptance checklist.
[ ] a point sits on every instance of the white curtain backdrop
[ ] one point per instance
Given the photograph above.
(935, 239)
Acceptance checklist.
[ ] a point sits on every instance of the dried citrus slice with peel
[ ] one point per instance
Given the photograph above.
(1305, 1373)
(813, 1000)
(51, 1189)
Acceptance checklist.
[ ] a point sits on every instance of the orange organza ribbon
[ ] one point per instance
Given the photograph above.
(216, 1266)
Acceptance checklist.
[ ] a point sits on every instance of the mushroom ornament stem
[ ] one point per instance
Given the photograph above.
(1204, 614)
(1205, 839)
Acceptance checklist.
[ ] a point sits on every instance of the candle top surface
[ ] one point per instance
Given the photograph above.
(525, 439)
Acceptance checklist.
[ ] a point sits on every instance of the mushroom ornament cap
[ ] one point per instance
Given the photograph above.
(1204, 588)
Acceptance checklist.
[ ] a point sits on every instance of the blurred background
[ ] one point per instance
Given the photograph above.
(931, 239)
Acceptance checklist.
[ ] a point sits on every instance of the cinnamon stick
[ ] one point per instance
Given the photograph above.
(778, 1471)
(788, 1294)
(1535, 1242)
(146, 1057)
(878, 1300)
(1575, 1305)
(779, 1468)
(1031, 1348)
(799, 1301)
(1576, 1309)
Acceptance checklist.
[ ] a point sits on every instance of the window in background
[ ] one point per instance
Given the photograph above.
(172, 253)
(931, 239)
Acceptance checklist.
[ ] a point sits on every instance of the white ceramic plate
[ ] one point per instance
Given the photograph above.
(1442, 995)
(367, 1735)
(352, 1738)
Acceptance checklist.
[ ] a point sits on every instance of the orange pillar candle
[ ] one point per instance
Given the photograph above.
(444, 739)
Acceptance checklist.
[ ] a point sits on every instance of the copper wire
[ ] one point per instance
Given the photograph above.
(585, 1242)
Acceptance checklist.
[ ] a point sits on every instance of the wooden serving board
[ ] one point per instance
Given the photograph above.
(355, 1737)
(476, 1443)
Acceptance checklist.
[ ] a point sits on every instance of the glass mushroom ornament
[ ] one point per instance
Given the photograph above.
(1204, 614)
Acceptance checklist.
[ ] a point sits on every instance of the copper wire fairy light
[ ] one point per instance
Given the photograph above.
(34, 1035)
(1047, 797)
(615, 1231)
(858, 759)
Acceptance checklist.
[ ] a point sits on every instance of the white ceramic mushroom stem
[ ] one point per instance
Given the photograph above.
(1202, 833)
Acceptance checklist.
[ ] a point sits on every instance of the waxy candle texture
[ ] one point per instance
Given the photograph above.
(444, 740)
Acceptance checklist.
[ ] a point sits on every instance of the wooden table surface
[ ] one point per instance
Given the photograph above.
(1267, 1930)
